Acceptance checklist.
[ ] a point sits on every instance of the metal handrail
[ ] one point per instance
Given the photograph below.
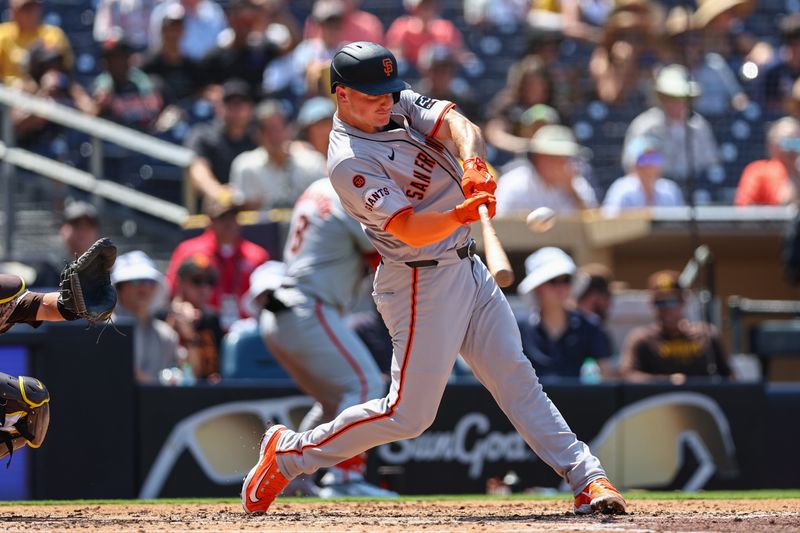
(100, 130)
(97, 127)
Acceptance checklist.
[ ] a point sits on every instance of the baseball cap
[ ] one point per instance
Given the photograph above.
(197, 265)
(116, 44)
(673, 80)
(593, 277)
(555, 139)
(173, 13)
(79, 209)
(314, 110)
(267, 277)
(543, 265)
(539, 113)
(227, 202)
(664, 286)
(135, 265)
(235, 88)
(326, 10)
(644, 151)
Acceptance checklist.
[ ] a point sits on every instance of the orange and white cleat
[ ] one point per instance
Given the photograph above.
(264, 482)
(600, 496)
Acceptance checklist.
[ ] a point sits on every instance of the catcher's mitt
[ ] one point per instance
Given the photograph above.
(85, 290)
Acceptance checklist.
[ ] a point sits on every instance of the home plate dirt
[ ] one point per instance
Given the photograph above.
(496, 516)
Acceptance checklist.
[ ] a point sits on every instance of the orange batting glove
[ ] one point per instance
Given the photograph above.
(477, 177)
(467, 211)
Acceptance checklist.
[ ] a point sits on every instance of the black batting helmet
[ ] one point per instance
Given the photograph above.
(366, 67)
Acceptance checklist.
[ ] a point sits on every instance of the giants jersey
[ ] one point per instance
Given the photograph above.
(380, 175)
(324, 248)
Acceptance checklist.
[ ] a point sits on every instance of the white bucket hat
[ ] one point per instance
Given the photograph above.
(543, 265)
(266, 277)
(673, 80)
(555, 139)
(135, 265)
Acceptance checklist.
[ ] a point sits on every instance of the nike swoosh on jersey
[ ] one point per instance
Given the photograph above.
(391, 156)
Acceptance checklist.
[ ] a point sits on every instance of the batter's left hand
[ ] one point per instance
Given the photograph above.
(477, 177)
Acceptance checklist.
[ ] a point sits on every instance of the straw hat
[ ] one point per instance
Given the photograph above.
(708, 10)
(673, 80)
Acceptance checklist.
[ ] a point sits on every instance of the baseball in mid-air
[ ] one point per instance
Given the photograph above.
(541, 219)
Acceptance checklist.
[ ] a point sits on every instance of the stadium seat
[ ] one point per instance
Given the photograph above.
(244, 355)
(777, 343)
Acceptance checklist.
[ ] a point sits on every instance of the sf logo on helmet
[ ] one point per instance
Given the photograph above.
(388, 68)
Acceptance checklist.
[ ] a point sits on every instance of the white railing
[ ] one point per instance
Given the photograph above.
(93, 181)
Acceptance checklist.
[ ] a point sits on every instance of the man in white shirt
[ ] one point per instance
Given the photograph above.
(643, 186)
(279, 170)
(204, 21)
(667, 122)
(547, 177)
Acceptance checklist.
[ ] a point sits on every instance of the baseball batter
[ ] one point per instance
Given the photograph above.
(392, 161)
(325, 261)
(24, 401)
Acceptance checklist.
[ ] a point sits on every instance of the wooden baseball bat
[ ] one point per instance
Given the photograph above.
(496, 258)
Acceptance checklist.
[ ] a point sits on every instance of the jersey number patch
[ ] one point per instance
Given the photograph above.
(425, 102)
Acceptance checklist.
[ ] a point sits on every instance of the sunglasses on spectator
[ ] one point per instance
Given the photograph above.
(202, 280)
(560, 280)
(668, 303)
(143, 281)
(650, 159)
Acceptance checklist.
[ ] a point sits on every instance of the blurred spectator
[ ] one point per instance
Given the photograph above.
(175, 74)
(720, 91)
(130, 17)
(594, 297)
(314, 123)
(495, 12)
(556, 338)
(279, 170)
(203, 24)
(357, 25)
(155, 344)
(423, 25)
(667, 122)
(773, 181)
(672, 348)
(312, 57)
(569, 84)
(580, 19)
(80, 228)
(276, 19)
(438, 66)
(19, 35)
(242, 53)
(190, 314)
(217, 144)
(48, 78)
(780, 77)
(722, 24)
(643, 186)
(622, 64)
(229, 253)
(547, 177)
(123, 93)
(528, 84)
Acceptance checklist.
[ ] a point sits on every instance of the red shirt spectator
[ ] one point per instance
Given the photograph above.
(762, 183)
(357, 25)
(232, 256)
(408, 35)
(767, 182)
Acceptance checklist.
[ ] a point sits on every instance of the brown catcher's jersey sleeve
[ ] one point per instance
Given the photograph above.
(17, 304)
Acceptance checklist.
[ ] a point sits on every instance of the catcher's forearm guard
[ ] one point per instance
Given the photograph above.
(24, 413)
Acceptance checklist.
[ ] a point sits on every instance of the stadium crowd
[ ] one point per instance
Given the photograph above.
(610, 104)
